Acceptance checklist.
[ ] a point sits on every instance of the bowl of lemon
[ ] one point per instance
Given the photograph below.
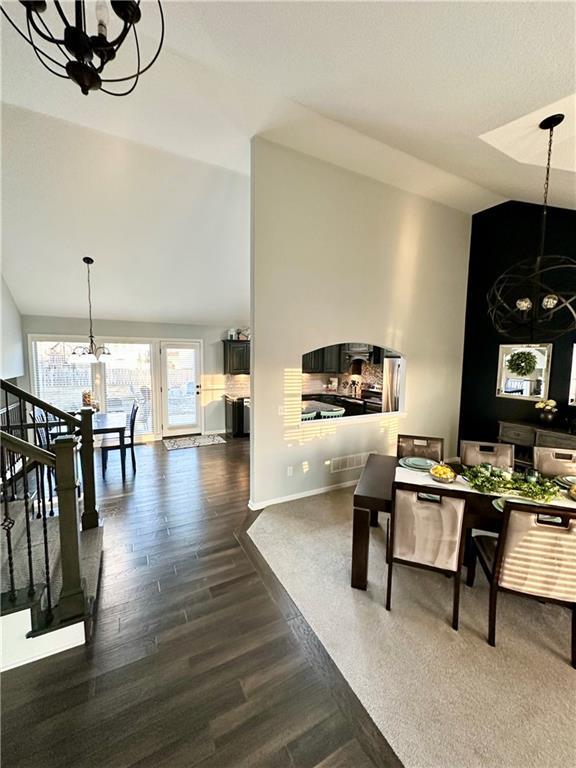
(442, 473)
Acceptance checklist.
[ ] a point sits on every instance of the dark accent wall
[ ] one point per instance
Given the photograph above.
(502, 236)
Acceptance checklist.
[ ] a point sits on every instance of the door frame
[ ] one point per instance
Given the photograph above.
(162, 382)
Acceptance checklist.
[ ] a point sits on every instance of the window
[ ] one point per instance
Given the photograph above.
(59, 377)
(128, 379)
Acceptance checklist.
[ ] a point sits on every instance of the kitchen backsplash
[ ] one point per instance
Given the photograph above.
(237, 385)
(313, 383)
(372, 375)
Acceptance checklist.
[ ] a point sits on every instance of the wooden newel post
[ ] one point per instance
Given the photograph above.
(72, 601)
(90, 518)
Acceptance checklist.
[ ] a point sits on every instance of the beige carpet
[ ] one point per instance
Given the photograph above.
(442, 699)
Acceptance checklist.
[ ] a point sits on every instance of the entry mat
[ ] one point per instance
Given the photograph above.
(191, 441)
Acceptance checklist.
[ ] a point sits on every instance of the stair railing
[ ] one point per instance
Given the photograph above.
(71, 602)
(34, 420)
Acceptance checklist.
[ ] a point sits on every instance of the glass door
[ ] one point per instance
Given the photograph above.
(181, 376)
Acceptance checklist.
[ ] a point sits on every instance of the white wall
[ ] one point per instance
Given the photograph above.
(11, 333)
(211, 336)
(340, 257)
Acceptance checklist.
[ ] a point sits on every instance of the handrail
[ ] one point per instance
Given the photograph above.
(31, 451)
(72, 421)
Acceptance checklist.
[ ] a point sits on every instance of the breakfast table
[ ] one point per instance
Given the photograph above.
(373, 494)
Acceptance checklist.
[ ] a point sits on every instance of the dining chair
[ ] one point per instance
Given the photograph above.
(337, 414)
(423, 447)
(534, 556)
(555, 461)
(309, 416)
(129, 443)
(497, 454)
(426, 531)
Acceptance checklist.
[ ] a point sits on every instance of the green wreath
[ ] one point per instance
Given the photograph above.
(522, 363)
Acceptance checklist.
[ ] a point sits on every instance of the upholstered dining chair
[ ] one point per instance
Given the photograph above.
(129, 443)
(426, 531)
(309, 416)
(336, 414)
(534, 556)
(424, 447)
(555, 461)
(497, 454)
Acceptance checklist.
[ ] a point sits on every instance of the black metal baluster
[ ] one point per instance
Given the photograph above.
(42, 501)
(38, 484)
(11, 461)
(7, 525)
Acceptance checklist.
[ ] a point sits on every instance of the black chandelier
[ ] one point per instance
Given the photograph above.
(82, 56)
(535, 300)
(92, 353)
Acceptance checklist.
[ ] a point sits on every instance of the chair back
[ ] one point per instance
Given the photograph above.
(133, 414)
(555, 461)
(333, 414)
(423, 447)
(309, 416)
(428, 527)
(537, 551)
(496, 454)
(41, 429)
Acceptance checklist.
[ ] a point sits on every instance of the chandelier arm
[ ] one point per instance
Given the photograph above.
(61, 13)
(29, 41)
(41, 60)
(117, 42)
(62, 50)
(147, 67)
(136, 76)
(49, 38)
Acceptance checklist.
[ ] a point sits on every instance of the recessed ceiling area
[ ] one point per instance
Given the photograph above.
(426, 78)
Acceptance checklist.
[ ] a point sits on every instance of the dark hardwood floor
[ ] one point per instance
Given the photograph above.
(199, 657)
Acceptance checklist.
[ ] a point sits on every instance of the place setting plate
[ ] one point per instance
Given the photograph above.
(566, 481)
(416, 463)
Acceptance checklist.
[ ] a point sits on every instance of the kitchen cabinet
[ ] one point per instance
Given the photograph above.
(332, 359)
(313, 362)
(237, 416)
(236, 356)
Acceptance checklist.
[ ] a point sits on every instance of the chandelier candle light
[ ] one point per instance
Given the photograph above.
(535, 300)
(92, 353)
(81, 56)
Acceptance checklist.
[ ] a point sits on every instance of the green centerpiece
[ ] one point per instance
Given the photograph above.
(488, 479)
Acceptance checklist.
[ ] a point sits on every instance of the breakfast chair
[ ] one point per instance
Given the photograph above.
(555, 461)
(426, 532)
(423, 447)
(333, 414)
(309, 416)
(129, 444)
(498, 454)
(534, 556)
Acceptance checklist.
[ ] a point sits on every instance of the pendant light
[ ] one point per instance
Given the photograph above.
(535, 300)
(92, 353)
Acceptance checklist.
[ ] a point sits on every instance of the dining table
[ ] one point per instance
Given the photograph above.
(373, 494)
(109, 424)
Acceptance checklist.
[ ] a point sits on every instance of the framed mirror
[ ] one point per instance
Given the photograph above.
(572, 392)
(524, 371)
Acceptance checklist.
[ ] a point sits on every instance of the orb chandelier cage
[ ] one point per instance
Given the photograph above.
(82, 56)
(93, 352)
(535, 299)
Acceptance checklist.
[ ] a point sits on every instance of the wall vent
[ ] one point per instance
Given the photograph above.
(343, 463)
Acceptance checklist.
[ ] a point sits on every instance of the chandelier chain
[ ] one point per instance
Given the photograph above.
(548, 163)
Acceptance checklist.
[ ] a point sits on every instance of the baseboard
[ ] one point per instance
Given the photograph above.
(255, 506)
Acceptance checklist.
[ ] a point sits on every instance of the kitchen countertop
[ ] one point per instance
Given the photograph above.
(309, 406)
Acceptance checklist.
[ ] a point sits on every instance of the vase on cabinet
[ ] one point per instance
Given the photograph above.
(547, 416)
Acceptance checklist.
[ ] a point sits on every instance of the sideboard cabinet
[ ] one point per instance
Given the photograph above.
(524, 435)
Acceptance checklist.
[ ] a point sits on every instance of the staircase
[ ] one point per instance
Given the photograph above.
(51, 540)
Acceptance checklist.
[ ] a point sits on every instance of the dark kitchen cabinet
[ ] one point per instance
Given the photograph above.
(236, 356)
(332, 359)
(313, 362)
(237, 416)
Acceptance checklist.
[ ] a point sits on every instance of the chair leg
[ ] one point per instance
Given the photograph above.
(104, 457)
(389, 584)
(492, 615)
(456, 602)
(574, 636)
(133, 458)
(471, 568)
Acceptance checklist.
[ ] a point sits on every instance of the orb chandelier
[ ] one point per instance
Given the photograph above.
(92, 353)
(78, 55)
(535, 300)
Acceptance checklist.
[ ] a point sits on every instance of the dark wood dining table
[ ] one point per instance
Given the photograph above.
(108, 424)
(373, 495)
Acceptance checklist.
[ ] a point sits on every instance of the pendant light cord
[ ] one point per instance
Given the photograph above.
(90, 306)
